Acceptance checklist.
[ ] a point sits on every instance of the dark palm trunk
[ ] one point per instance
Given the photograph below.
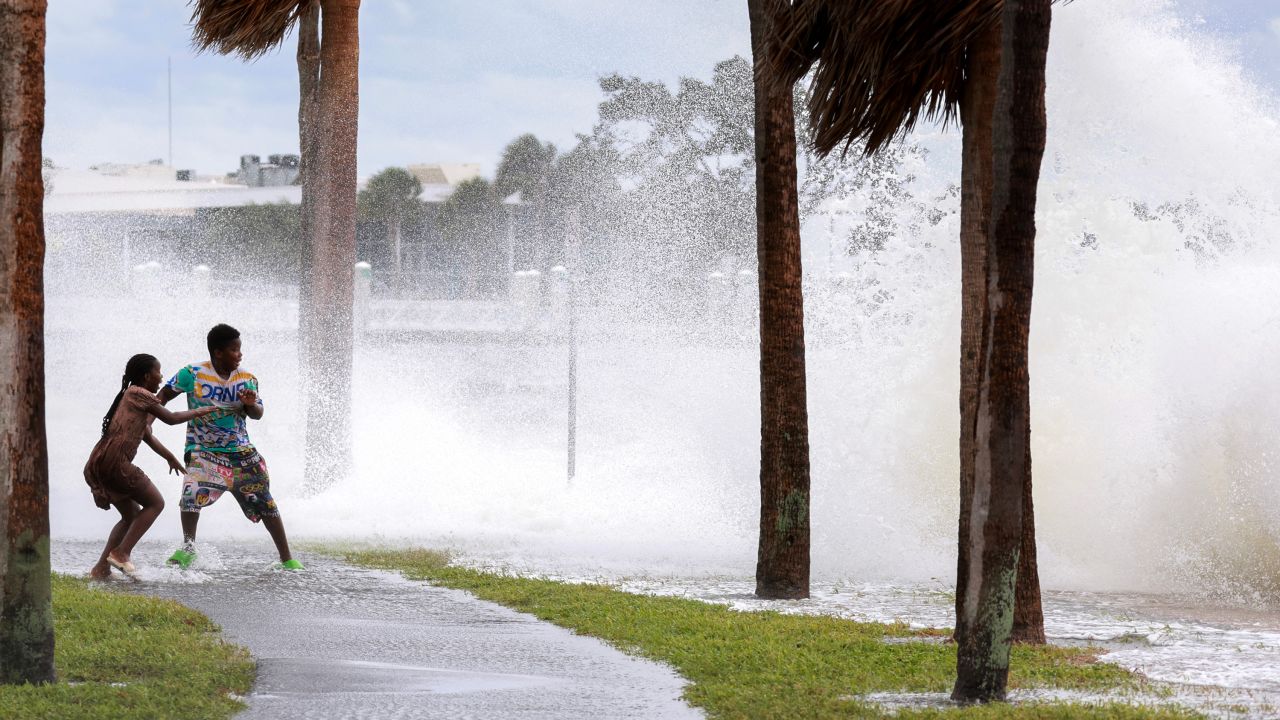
(26, 612)
(782, 569)
(1028, 613)
(308, 116)
(1002, 437)
(332, 187)
(976, 108)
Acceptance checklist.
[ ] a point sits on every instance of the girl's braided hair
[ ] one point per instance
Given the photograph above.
(134, 371)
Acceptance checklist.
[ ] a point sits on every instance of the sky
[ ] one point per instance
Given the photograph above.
(440, 80)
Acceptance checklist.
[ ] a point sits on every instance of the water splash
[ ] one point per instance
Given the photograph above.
(1154, 336)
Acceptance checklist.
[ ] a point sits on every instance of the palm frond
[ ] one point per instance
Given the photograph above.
(879, 66)
(248, 28)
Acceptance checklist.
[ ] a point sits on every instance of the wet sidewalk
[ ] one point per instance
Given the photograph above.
(342, 642)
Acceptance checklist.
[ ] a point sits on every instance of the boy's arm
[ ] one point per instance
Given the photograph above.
(183, 381)
(162, 451)
(249, 399)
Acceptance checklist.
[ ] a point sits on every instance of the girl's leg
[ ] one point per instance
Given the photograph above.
(152, 503)
(128, 511)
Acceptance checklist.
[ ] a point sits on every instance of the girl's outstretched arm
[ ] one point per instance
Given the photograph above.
(152, 442)
(168, 417)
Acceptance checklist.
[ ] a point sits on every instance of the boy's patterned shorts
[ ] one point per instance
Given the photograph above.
(210, 474)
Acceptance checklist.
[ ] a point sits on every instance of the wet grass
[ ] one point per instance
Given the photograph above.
(772, 665)
(126, 656)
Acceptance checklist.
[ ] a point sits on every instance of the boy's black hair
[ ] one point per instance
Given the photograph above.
(221, 336)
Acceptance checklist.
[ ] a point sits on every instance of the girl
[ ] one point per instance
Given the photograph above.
(110, 472)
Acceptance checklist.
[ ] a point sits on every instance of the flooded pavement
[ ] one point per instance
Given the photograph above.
(1219, 658)
(336, 641)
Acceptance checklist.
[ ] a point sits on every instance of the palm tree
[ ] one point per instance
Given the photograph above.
(328, 110)
(527, 167)
(880, 68)
(1002, 437)
(469, 220)
(391, 196)
(782, 565)
(26, 611)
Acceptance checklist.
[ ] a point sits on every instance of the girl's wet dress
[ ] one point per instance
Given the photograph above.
(110, 471)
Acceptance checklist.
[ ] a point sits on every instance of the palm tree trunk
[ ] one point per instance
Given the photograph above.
(308, 116)
(393, 225)
(1028, 612)
(1002, 438)
(976, 111)
(782, 569)
(976, 108)
(26, 612)
(328, 365)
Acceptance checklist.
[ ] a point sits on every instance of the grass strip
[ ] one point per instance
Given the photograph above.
(120, 655)
(774, 665)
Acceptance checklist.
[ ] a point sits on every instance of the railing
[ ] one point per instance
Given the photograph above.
(718, 308)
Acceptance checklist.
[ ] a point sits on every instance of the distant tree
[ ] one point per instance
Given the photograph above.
(391, 197)
(266, 238)
(26, 612)
(585, 181)
(688, 157)
(470, 220)
(47, 169)
(525, 168)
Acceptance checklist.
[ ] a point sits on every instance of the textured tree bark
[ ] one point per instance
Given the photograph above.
(782, 569)
(328, 362)
(1003, 430)
(308, 115)
(26, 612)
(1028, 612)
(976, 108)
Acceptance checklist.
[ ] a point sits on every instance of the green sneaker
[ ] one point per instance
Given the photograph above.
(182, 557)
(291, 564)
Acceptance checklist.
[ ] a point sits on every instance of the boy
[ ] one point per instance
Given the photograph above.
(219, 455)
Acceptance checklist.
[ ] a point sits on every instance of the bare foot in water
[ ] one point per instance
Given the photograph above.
(101, 571)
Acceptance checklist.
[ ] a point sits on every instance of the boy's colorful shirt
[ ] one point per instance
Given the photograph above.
(217, 432)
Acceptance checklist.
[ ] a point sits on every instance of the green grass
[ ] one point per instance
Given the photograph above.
(124, 656)
(771, 665)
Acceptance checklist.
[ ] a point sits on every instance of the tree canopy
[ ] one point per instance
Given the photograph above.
(525, 168)
(390, 196)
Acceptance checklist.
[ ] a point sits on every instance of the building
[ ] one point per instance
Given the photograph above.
(279, 170)
(444, 173)
(104, 221)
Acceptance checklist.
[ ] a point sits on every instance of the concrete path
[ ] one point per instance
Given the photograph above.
(343, 642)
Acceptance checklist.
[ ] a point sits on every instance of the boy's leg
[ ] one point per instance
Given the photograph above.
(252, 489)
(204, 483)
(275, 526)
(189, 521)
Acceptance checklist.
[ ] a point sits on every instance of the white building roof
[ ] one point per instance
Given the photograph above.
(444, 173)
(104, 190)
(153, 188)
